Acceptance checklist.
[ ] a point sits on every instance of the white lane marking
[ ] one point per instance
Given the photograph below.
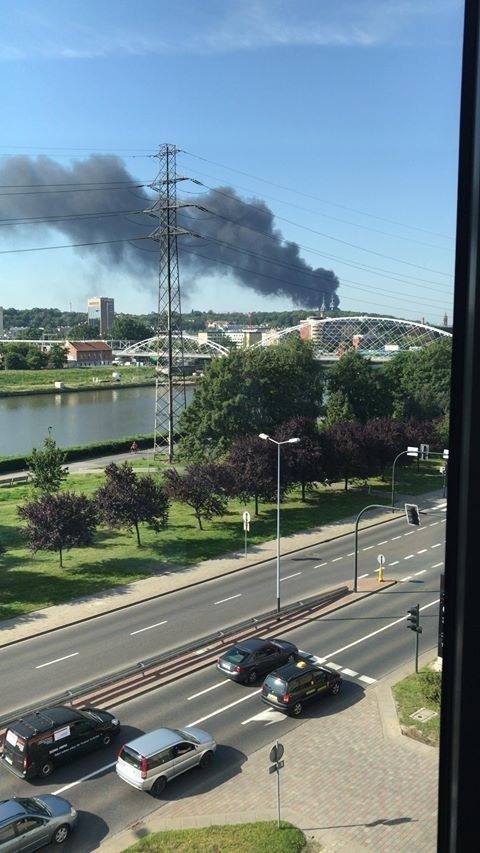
(57, 660)
(201, 651)
(268, 717)
(368, 548)
(423, 551)
(408, 557)
(395, 563)
(374, 633)
(335, 666)
(436, 546)
(410, 532)
(421, 572)
(84, 778)
(395, 537)
(290, 576)
(337, 559)
(207, 689)
(349, 672)
(363, 576)
(230, 598)
(367, 679)
(443, 520)
(433, 523)
(226, 707)
(436, 565)
(351, 554)
(149, 627)
(383, 542)
(319, 566)
(404, 580)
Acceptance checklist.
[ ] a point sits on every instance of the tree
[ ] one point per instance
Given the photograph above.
(248, 392)
(199, 488)
(130, 329)
(57, 356)
(58, 522)
(126, 500)
(420, 381)
(47, 466)
(303, 461)
(355, 389)
(254, 466)
(384, 439)
(83, 332)
(344, 451)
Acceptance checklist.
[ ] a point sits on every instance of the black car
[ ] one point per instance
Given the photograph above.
(289, 688)
(36, 743)
(253, 657)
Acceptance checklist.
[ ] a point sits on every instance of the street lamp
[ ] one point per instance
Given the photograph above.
(266, 437)
(410, 451)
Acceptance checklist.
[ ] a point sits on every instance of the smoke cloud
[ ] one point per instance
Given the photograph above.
(96, 200)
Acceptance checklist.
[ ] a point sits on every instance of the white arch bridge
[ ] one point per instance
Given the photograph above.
(377, 338)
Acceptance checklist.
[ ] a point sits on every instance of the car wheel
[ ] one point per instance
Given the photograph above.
(61, 834)
(297, 709)
(46, 769)
(107, 739)
(335, 688)
(206, 760)
(252, 676)
(158, 786)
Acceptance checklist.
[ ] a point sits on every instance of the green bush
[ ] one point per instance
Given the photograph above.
(432, 685)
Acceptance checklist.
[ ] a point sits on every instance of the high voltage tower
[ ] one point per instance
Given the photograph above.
(170, 399)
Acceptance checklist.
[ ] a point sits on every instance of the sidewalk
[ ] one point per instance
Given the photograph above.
(351, 781)
(173, 578)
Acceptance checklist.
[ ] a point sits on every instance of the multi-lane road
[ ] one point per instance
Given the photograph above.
(364, 641)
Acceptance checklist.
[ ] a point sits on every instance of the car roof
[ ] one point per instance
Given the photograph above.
(9, 809)
(252, 644)
(292, 670)
(44, 720)
(151, 742)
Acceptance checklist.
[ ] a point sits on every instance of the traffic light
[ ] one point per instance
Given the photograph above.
(413, 618)
(412, 514)
(424, 450)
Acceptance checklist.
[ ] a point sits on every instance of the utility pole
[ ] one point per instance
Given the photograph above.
(170, 398)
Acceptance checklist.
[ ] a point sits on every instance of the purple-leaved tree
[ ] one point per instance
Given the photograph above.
(127, 500)
(59, 521)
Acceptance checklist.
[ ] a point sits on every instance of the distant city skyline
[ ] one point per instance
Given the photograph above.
(342, 119)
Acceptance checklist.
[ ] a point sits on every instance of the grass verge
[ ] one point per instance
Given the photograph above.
(419, 690)
(264, 837)
(29, 583)
(74, 378)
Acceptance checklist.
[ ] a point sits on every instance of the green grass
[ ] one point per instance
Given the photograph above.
(410, 695)
(238, 838)
(12, 381)
(30, 582)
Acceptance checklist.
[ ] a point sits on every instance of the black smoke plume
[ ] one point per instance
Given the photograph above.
(97, 200)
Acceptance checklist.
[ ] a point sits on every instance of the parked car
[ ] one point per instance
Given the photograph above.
(150, 761)
(36, 743)
(289, 688)
(253, 657)
(28, 823)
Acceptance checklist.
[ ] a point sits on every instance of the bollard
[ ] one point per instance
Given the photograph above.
(380, 574)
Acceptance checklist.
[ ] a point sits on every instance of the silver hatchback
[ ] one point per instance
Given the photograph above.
(150, 761)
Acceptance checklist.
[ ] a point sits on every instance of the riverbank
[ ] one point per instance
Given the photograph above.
(15, 383)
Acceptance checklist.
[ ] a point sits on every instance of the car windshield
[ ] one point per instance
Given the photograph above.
(34, 806)
(275, 684)
(185, 735)
(236, 655)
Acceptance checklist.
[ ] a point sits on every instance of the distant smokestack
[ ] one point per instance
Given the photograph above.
(239, 240)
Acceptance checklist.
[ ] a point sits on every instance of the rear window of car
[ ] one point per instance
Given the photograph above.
(131, 757)
(15, 741)
(275, 684)
(236, 655)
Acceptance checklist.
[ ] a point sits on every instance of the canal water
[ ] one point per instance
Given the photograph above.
(76, 418)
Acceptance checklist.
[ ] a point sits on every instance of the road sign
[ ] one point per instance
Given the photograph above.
(442, 470)
(246, 520)
(381, 560)
(445, 454)
(276, 752)
(412, 451)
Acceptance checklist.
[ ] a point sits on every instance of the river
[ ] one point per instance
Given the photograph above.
(76, 418)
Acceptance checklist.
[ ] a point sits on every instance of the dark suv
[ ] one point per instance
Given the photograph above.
(253, 657)
(289, 688)
(33, 745)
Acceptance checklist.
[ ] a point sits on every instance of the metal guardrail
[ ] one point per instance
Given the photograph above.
(181, 656)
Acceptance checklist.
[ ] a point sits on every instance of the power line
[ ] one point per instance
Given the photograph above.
(68, 246)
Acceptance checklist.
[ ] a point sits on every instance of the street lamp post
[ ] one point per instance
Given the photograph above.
(410, 451)
(266, 437)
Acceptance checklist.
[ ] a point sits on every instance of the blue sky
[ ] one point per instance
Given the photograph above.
(342, 114)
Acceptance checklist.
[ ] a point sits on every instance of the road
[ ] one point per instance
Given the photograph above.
(37, 668)
(364, 642)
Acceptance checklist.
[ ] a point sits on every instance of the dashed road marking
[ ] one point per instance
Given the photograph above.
(421, 572)
(423, 551)
(395, 563)
(395, 537)
(57, 660)
(148, 628)
(410, 533)
(368, 548)
(335, 666)
(367, 679)
(287, 578)
(319, 565)
(337, 559)
(230, 598)
(349, 672)
(436, 565)
(433, 523)
(226, 707)
(351, 554)
(436, 546)
(208, 689)
(363, 576)
(404, 580)
(408, 557)
(383, 542)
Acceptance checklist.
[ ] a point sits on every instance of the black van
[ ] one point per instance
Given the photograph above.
(36, 743)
